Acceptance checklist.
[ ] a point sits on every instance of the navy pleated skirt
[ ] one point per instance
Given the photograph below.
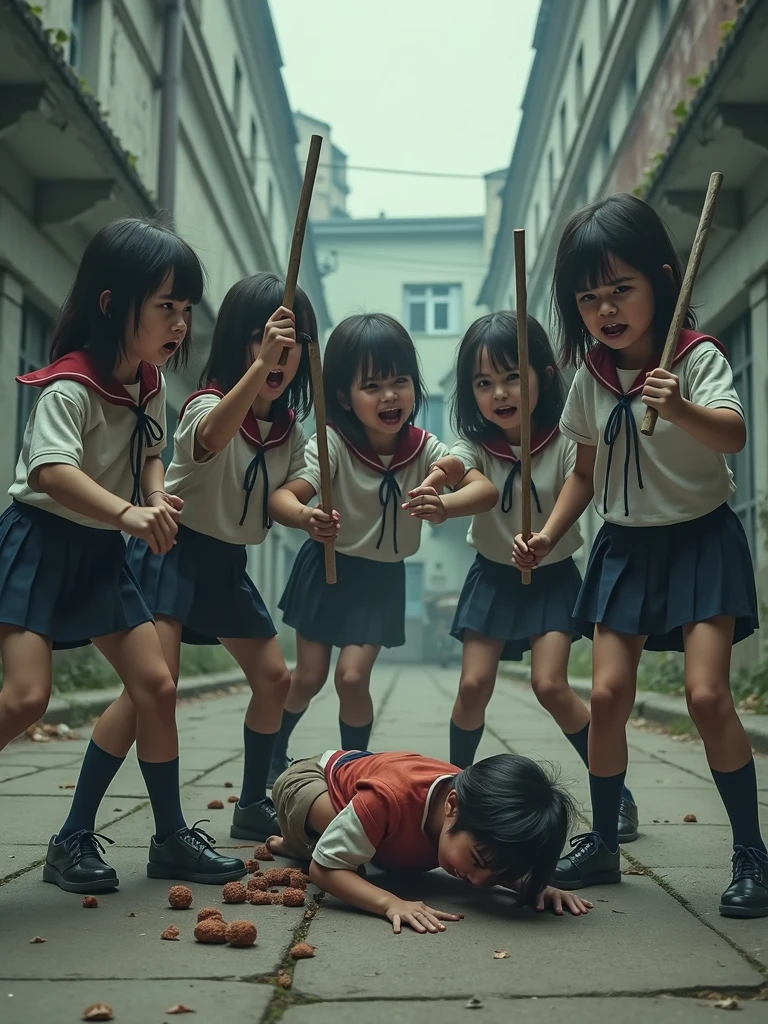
(494, 602)
(653, 580)
(63, 580)
(366, 605)
(203, 584)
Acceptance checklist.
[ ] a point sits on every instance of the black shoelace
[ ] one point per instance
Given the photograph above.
(258, 462)
(389, 490)
(749, 862)
(506, 494)
(586, 843)
(84, 842)
(147, 432)
(197, 837)
(622, 411)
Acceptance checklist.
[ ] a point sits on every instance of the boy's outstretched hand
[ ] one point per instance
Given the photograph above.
(557, 899)
(417, 915)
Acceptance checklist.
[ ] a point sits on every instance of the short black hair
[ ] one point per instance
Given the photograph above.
(369, 345)
(623, 227)
(242, 317)
(129, 258)
(519, 817)
(496, 333)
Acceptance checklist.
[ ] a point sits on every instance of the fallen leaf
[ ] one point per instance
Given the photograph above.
(98, 1011)
(66, 785)
(727, 1004)
(636, 871)
(618, 911)
(284, 979)
(37, 939)
(690, 817)
(500, 954)
(474, 1003)
(181, 1008)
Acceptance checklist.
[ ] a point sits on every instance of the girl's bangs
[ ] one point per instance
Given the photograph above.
(501, 352)
(384, 355)
(589, 262)
(174, 255)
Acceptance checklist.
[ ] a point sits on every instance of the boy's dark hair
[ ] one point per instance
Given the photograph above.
(129, 258)
(622, 227)
(519, 817)
(371, 345)
(242, 317)
(496, 333)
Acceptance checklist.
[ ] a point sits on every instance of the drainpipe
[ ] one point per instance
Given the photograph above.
(170, 85)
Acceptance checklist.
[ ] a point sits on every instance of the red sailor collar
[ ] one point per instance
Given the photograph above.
(502, 449)
(410, 443)
(80, 366)
(600, 363)
(279, 431)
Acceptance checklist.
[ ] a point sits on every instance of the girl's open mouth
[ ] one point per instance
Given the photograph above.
(390, 416)
(170, 347)
(506, 412)
(613, 330)
(275, 379)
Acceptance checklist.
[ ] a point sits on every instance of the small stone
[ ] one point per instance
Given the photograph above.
(180, 1008)
(37, 940)
(180, 897)
(206, 912)
(227, 785)
(90, 902)
(98, 1011)
(284, 979)
(727, 1004)
(302, 951)
(474, 1003)
(212, 930)
(215, 805)
(690, 818)
(241, 933)
(232, 799)
(170, 933)
(500, 954)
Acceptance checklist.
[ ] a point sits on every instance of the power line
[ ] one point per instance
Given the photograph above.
(394, 170)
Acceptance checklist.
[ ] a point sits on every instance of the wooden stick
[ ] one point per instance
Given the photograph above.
(686, 290)
(326, 488)
(305, 199)
(521, 303)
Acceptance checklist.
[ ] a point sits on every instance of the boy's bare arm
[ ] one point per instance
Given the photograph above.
(351, 888)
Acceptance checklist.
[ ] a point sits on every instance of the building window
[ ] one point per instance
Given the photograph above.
(551, 176)
(432, 308)
(603, 21)
(563, 133)
(253, 147)
(630, 87)
(237, 94)
(580, 79)
(738, 342)
(270, 203)
(605, 150)
(35, 336)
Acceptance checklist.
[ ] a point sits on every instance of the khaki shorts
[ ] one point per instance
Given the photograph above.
(293, 794)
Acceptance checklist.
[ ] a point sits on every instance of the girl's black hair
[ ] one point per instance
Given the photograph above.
(368, 345)
(496, 333)
(243, 315)
(130, 258)
(519, 817)
(622, 227)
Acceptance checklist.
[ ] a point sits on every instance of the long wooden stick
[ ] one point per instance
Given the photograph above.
(521, 303)
(305, 199)
(326, 488)
(686, 289)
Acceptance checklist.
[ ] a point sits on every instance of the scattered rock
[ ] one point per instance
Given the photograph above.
(232, 799)
(206, 912)
(302, 951)
(170, 933)
(298, 879)
(259, 899)
(293, 898)
(727, 1004)
(252, 865)
(227, 785)
(215, 805)
(180, 1008)
(180, 897)
(234, 892)
(690, 817)
(212, 930)
(262, 853)
(276, 898)
(278, 876)
(257, 883)
(284, 979)
(474, 1004)
(500, 954)
(133, 914)
(636, 871)
(90, 902)
(37, 940)
(66, 785)
(98, 1011)
(241, 933)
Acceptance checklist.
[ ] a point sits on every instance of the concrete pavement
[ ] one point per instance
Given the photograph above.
(652, 946)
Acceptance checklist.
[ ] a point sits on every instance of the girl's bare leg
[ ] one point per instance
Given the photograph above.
(549, 679)
(479, 665)
(26, 659)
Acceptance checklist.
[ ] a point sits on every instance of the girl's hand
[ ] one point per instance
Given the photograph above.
(279, 333)
(159, 499)
(154, 524)
(528, 554)
(662, 393)
(425, 503)
(418, 916)
(320, 526)
(556, 899)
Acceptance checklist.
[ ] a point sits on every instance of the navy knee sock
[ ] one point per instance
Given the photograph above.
(606, 797)
(97, 772)
(162, 780)
(355, 737)
(290, 720)
(738, 791)
(580, 743)
(464, 744)
(258, 748)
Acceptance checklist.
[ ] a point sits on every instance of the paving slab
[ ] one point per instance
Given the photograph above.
(31, 820)
(31, 907)
(64, 1001)
(15, 858)
(638, 939)
(663, 1010)
(128, 782)
(684, 846)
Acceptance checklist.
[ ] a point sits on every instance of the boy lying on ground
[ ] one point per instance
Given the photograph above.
(502, 821)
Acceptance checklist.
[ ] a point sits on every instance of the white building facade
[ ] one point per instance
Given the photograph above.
(111, 108)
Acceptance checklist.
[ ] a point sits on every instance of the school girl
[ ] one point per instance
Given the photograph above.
(497, 618)
(238, 438)
(379, 462)
(670, 568)
(90, 455)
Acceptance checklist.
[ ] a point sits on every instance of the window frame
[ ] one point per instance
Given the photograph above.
(430, 301)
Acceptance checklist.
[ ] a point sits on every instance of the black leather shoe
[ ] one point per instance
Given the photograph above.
(76, 865)
(747, 895)
(256, 822)
(279, 765)
(628, 819)
(188, 855)
(591, 863)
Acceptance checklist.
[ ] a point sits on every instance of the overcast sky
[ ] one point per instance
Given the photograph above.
(428, 85)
